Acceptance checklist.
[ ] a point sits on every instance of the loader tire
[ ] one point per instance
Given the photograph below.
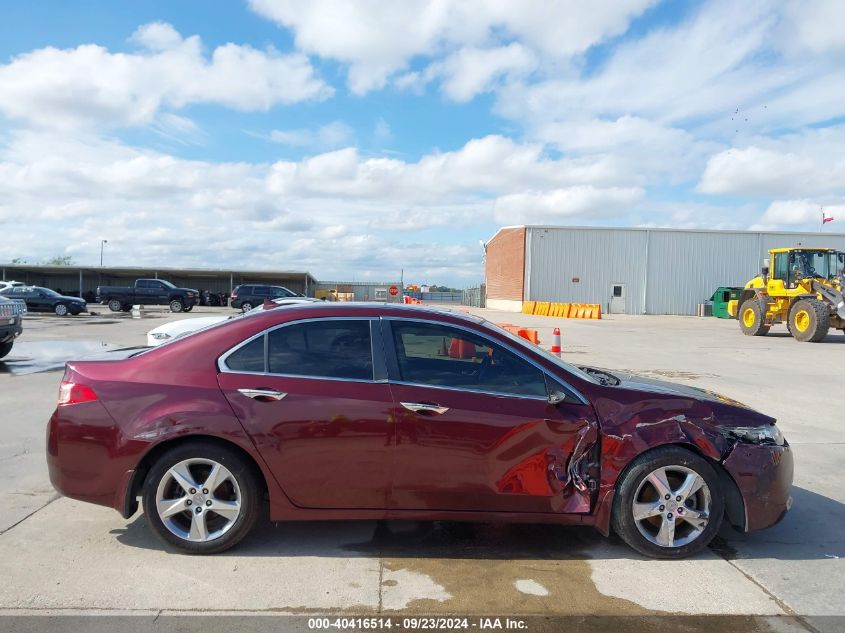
(809, 320)
(752, 317)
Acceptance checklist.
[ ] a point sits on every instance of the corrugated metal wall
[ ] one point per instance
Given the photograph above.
(665, 271)
(596, 258)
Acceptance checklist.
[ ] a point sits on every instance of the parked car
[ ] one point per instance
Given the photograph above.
(148, 292)
(177, 329)
(247, 296)
(10, 284)
(40, 299)
(11, 323)
(313, 407)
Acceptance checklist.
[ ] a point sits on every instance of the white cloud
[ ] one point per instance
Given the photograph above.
(88, 85)
(370, 213)
(800, 212)
(808, 163)
(334, 134)
(470, 71)
(561, 205)
(377, 39)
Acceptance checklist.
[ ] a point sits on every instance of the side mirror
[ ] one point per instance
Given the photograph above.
(764, 271)
(556, 398)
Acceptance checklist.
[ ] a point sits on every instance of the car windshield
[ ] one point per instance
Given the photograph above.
(47, 291)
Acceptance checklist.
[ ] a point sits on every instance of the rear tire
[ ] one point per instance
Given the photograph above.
(115, 305)
(682, 520)
(5, 348)
(752, 317)
(809, 320)
(176, 305)
(246, 306)
(236, 485)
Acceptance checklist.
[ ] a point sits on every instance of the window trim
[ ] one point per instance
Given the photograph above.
(393, 360)
(379, 367)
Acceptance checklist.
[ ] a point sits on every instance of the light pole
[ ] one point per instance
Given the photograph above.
(102, 244)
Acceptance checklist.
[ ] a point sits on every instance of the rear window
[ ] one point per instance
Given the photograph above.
(326, 349)
(248, 358)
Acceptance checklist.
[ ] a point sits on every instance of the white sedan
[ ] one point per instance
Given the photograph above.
(183, 327)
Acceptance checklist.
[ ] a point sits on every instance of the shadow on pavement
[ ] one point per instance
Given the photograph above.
(811, 530)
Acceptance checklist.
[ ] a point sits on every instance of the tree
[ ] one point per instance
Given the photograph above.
(59, 260)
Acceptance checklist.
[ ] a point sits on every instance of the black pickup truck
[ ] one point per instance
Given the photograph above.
(11, 313)
(148, 292)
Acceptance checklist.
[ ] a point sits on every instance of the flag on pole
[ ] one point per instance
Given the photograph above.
(827, 219)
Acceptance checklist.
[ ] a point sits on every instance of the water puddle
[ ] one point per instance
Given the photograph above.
(29, 357)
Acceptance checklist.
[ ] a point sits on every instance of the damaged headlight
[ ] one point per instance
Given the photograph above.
(769, 434)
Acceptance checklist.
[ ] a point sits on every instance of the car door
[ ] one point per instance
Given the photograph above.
(314, 397)
(145, 291)
(475, 430)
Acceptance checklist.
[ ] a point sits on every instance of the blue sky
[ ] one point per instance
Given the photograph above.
(356, 139)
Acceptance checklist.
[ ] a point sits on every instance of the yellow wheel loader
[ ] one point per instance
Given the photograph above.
(803, 289)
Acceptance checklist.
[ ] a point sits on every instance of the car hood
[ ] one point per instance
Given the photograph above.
(644, 383)
(725, 411)
(72, 299)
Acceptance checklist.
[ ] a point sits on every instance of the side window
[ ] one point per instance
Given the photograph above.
(326, 348)
(249, 358)
(142, 283)
(261, 291)
(438, 355)
(781, 270)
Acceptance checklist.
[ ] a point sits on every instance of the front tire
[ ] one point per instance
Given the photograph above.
(752, 317)
(5, 348)
(677, 527)
(115, 305)
(60, 309)
(809, 320)
(176, 305)
(222, 508)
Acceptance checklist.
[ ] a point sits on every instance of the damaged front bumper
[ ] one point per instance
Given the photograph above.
(763, 474)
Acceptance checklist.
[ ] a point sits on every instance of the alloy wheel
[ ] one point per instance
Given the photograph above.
(198, 500)
(671, 507)
(61, 309)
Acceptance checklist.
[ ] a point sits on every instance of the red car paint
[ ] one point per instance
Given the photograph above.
(340, 449)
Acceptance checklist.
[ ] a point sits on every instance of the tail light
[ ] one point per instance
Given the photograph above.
(73, 393)
(234, 295)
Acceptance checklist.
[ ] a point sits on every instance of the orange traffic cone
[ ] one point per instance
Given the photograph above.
(556, 342)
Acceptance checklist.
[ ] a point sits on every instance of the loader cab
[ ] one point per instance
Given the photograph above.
(790, 266)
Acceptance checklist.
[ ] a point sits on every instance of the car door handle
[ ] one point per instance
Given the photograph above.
(424, 407)
(264, 395)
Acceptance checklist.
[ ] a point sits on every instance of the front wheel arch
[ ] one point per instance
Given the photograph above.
(135, 486)
(734, 502)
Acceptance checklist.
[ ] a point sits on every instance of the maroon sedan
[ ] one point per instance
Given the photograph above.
(345, 411)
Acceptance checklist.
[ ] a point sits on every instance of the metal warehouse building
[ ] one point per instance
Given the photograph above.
(628, 270)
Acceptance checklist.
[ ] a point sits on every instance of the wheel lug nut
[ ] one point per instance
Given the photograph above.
(678, 498)
(662, 508)
(208, 503)
(668, 516)
(199, 509)
(667, 497)
(188, 502)
(680, 510)
(193, 491)
(205, 492)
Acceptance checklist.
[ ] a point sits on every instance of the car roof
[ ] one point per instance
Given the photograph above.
(347, 308)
